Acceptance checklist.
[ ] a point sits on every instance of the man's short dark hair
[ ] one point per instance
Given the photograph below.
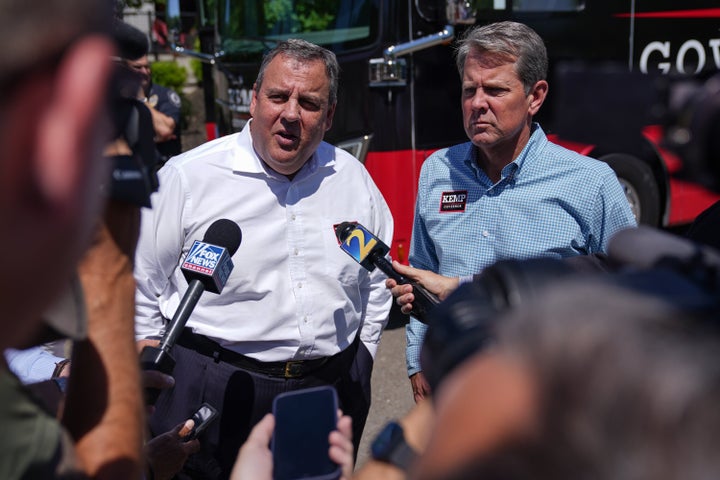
(131, 42)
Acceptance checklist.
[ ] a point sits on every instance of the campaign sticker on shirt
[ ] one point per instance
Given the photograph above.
(453, 201)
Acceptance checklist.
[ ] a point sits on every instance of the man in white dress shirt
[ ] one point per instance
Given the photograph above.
(296, 311)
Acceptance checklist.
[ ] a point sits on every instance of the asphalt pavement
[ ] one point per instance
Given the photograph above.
(391, 392)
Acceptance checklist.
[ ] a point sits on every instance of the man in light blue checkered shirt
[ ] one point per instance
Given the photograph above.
(509, 193)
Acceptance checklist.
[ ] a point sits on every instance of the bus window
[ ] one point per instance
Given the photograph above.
(548, 5)
(258, 24)
(484, 5)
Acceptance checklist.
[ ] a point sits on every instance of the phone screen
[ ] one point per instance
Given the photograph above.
(202, 418)
(303, 422)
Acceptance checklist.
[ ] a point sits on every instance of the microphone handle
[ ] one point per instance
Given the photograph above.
(424, 299)
(182, 314)
(159, 358)
(155, 358)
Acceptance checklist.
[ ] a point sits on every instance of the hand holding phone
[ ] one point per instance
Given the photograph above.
(202, 419)
(300, 443)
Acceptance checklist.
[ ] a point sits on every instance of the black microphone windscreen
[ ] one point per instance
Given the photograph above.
(224, 233)
(343, 230)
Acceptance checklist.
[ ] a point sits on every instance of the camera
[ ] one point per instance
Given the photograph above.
(683, 274)
(135, 159)
(463, 324)
(605, 104)
(134, 173)
(692, 127)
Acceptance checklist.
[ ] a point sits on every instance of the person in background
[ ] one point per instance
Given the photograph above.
(163, 102)
(508, 193)
(36, 364)
(296, 311)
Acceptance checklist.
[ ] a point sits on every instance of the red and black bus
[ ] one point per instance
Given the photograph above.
(399, 96)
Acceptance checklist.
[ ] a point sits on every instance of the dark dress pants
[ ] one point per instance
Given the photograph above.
(243, 397)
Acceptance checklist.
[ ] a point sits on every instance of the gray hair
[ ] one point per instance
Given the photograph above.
(511, 40)
(628, 384)
(305, 51)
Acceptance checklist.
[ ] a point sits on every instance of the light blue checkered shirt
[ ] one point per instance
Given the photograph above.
(550, 202)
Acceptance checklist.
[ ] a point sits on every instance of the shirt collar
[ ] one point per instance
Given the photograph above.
(535, 144)
(245, 159)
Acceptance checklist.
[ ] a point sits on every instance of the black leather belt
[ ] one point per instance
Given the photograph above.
(289, 369)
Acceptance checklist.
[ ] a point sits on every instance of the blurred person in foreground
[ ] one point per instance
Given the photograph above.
(297, 311)
(508, 193)
(51, 360)
(53, 125)
(592, 380)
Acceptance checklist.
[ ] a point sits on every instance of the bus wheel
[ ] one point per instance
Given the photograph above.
(638, 182)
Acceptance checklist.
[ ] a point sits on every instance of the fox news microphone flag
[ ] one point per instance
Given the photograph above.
(369, 251)
(207, 266)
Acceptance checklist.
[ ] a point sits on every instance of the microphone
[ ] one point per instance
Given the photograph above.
(369, 251)
(207, 266)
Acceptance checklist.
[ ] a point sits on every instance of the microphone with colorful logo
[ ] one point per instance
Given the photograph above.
(369, 251)
(207, 266)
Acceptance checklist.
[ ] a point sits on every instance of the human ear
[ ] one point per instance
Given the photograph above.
(253, 100)
(537, 96)
(329, 117)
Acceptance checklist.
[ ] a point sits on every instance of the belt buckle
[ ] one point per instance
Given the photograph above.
(292, 369)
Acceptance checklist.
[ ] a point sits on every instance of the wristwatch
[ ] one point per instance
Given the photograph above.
(390, 447)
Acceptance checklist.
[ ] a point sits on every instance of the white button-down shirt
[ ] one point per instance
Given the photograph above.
(293, 293)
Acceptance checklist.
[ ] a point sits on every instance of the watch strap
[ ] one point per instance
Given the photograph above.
(402, 455)
(391, 447)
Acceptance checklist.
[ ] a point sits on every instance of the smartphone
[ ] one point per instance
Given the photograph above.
(300, 445)
(203, 417)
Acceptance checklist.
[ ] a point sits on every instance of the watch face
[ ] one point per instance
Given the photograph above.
(386, 440)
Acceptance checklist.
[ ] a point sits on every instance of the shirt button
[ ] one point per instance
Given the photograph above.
(296, 252)
(299, 285)
(292, 217)
(485, 233)
(305, 319)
